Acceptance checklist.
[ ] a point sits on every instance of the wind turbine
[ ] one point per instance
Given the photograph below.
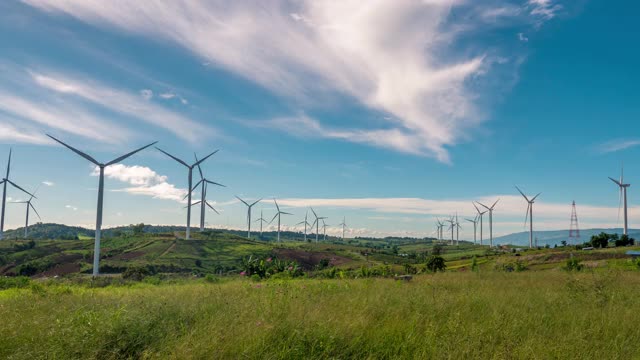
(451, 226)
(324, 229)
(475, 224)
(490, 209)
(190, 179)
(249, 206)
(6, 181)
(203, 194)
(344, 225)
(29, 207)
(316, 222)
(623, 195)
(458, 227)
(261, 221)
(480, 214)
(96, 251)
(306, 223)
(529, 214)
(278, 215)
(440, 229)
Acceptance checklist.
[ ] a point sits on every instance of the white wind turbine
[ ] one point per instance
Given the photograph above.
(29, 207)
(190, 180)
(451, 226)
(316, 222)
(249, 206)
(458, 227)
(490, 209)
(623, 198)
(344, 225)
(203, 183)
(4, 182)
(475, 225)
(261, 221)
(306, 223)
(278, 216)
(480, 214)
(96, 251)
(324, 229)
(529, 215)
(440, 229)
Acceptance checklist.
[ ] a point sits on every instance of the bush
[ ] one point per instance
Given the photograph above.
(624, 240)
(14, 282)
(573, 264)
(138, 273)
(436, 263)
(474, 264)
(210, 278)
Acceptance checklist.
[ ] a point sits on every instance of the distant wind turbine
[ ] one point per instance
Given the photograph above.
(278, 216)
(344, 225)
(249, 206)
(96, 251)
(458, 227)
(623, 198)
(529, 214)
(316, 222)
(4, 183)
(451, 226)
(204, 182)
(29, 207)
(480, 214)
(190, 180)
(306, 223)
(490, 209)
(324, 229)
(475, 223)
(261, 221)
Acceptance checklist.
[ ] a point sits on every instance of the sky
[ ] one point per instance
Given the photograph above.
(389, 114)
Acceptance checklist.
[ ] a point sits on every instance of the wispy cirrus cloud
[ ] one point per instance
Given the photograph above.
(145, 181)
(399, 58)
(617, 145)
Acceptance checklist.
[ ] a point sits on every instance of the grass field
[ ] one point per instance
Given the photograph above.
(527, 315)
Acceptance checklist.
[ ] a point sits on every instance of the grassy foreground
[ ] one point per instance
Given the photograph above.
(532, 315)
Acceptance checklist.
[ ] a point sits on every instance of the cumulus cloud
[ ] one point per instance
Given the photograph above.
(145, 181)
(398, 57)
(48, 183)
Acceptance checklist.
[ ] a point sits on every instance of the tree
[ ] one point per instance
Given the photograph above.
(601, 240)
(138, 229)
(436, 263)
(624, 240)
(437, 249)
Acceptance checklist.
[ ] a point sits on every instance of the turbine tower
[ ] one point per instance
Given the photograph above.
(529, 214)
(440, 229)
(278, 215)
(480, 214)
(475, 225)
(190, 180)
(458, 227)
(261, 221)
(623, 198)
(249, 206)
(316, 222)
(344, 225)
(324, 229)
(204, 182)
(451, 226)
(490, 209)
(96, 251)
(29, 207)
(306, 223)
(4, 182)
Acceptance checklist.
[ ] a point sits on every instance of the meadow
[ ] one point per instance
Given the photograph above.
(453, 315)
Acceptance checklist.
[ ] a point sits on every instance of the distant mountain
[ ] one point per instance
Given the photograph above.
(556, 236)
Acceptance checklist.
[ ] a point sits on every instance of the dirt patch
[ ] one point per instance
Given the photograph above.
(128, 255)
(61, 269)
(308, 260)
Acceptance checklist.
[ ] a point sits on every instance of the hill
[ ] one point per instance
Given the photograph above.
(555, 237)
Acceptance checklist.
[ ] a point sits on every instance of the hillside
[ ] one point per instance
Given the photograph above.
(556, 237)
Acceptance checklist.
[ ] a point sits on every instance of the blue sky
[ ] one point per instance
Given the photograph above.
(390, 113)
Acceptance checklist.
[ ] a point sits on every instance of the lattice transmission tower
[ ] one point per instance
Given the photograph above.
(574, 229)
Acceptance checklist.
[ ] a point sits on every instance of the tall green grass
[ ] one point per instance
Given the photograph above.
(528, 315)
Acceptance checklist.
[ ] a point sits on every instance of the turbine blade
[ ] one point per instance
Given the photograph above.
(257, 201)
(211, 207)
(619, 204)
(173, 157)
(615, 181)
(86, 156)
(274, 217)
(314, 213)
(277, 207)
(285, 213)
(483, 205)
(204, 158)
(36, 211)
(19, 188)
(117, 160)
(214, 183)
(521, 193)
(196, 185)
(494, 204)
(241, 200)
(9, 164)
(535, 197)
(199, 168)
(194, 204)
(526, 215)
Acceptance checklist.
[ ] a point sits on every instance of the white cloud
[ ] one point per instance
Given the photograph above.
(400, 58)
(71, 207)
(48, 183)
(8, 133)
(146, 181)
(145, 93)
(167, 95)
(617, 145)
(522, 37)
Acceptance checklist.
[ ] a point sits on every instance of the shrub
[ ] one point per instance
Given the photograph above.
(410, 269)
(573, 264)
(436, 263)
(138, 273)
(14, 282)
(474, 264)
(210, 278)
